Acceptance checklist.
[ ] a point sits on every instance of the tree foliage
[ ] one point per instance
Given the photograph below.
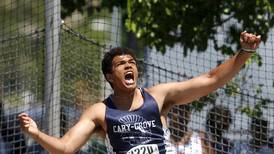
(194, 23)
(69, 6)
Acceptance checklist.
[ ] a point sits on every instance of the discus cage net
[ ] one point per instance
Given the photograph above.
(51, 69)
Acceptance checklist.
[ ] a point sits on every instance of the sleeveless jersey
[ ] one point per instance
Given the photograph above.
(137, 131)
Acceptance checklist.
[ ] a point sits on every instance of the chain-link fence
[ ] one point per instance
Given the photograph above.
(51, 69)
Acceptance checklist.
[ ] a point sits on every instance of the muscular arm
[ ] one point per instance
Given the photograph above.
(73, 139)
(184, 92)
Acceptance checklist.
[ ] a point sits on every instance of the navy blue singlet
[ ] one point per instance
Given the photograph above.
(138, 131)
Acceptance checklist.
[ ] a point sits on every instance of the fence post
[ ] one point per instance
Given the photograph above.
(52, 66)
(115, 40)
(116, 24)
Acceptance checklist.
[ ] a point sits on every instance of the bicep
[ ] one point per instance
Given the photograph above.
(83, 129)
(190, 90)
(185, 91)
(78, 134)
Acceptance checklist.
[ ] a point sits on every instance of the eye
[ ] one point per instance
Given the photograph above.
(120, 63)
(132, 62)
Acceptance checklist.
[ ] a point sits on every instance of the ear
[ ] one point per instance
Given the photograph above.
(109, 78)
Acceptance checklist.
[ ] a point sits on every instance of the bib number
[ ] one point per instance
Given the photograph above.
(144, 149)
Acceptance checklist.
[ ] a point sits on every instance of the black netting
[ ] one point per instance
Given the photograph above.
(238, 116)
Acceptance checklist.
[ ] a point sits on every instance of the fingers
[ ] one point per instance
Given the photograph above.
(22, 114)
(249, 40)
(24, 120)
(258, 41)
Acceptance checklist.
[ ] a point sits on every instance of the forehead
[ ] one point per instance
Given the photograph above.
(122, 58)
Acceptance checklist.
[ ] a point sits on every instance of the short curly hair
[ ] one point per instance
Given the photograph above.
(108, 57)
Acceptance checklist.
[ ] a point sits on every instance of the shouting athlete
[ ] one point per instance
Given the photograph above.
(133, 118)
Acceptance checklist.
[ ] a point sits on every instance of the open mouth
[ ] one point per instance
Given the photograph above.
(129, 78)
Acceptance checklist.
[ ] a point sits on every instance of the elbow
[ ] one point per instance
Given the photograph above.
(68, 151)
(63, 152)
(212, 83)
(65, 149)
(215, 81)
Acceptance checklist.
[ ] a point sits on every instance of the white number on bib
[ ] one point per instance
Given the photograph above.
(144, 149)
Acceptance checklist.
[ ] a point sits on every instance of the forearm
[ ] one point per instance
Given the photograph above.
(226, 71)
(52, 144)
(187, 91)
(69, 143)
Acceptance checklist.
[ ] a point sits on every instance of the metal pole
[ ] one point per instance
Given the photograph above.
(52, 66)
(115, 40)
(116, 23)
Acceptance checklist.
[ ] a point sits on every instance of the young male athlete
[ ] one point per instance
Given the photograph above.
(133, 118)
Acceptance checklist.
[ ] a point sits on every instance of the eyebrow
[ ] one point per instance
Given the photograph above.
(131, 59)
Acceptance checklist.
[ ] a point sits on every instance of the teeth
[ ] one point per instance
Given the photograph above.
(129, 73)
(130, 81)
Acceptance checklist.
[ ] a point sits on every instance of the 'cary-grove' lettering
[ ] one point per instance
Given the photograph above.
(123, 128)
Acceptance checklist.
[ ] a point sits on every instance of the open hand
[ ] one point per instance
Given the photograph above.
(249, 42)
(28, 125)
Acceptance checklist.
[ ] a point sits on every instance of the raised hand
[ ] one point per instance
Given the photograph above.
(28, 125)
(249, 42)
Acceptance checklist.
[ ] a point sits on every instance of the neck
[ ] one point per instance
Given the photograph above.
(122, 96)
(124, 100)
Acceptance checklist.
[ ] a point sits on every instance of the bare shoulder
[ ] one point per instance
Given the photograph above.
(96, 109)
(153, 92)
(159, 93)
(164, 88)
(96, 113)
(157, 88)
(99, 105)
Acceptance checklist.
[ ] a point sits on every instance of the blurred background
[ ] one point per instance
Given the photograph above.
(51, 51)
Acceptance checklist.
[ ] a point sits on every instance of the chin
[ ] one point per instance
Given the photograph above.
(131, 87)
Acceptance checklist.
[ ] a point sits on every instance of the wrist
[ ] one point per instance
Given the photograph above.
(36, 135)
(247, 50)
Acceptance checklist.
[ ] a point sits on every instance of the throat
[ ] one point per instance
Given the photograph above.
(127, 102)
(127, 96)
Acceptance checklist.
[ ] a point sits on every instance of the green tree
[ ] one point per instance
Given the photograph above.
(193, 23)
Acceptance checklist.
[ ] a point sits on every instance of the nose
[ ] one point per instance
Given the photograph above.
(128, 65)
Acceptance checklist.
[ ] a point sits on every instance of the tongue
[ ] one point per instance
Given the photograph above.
(129, 81)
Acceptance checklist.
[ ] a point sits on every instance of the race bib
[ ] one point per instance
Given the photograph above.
(144, 149)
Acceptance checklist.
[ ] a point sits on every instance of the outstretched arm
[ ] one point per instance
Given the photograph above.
(71, 141)
(190, 90)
